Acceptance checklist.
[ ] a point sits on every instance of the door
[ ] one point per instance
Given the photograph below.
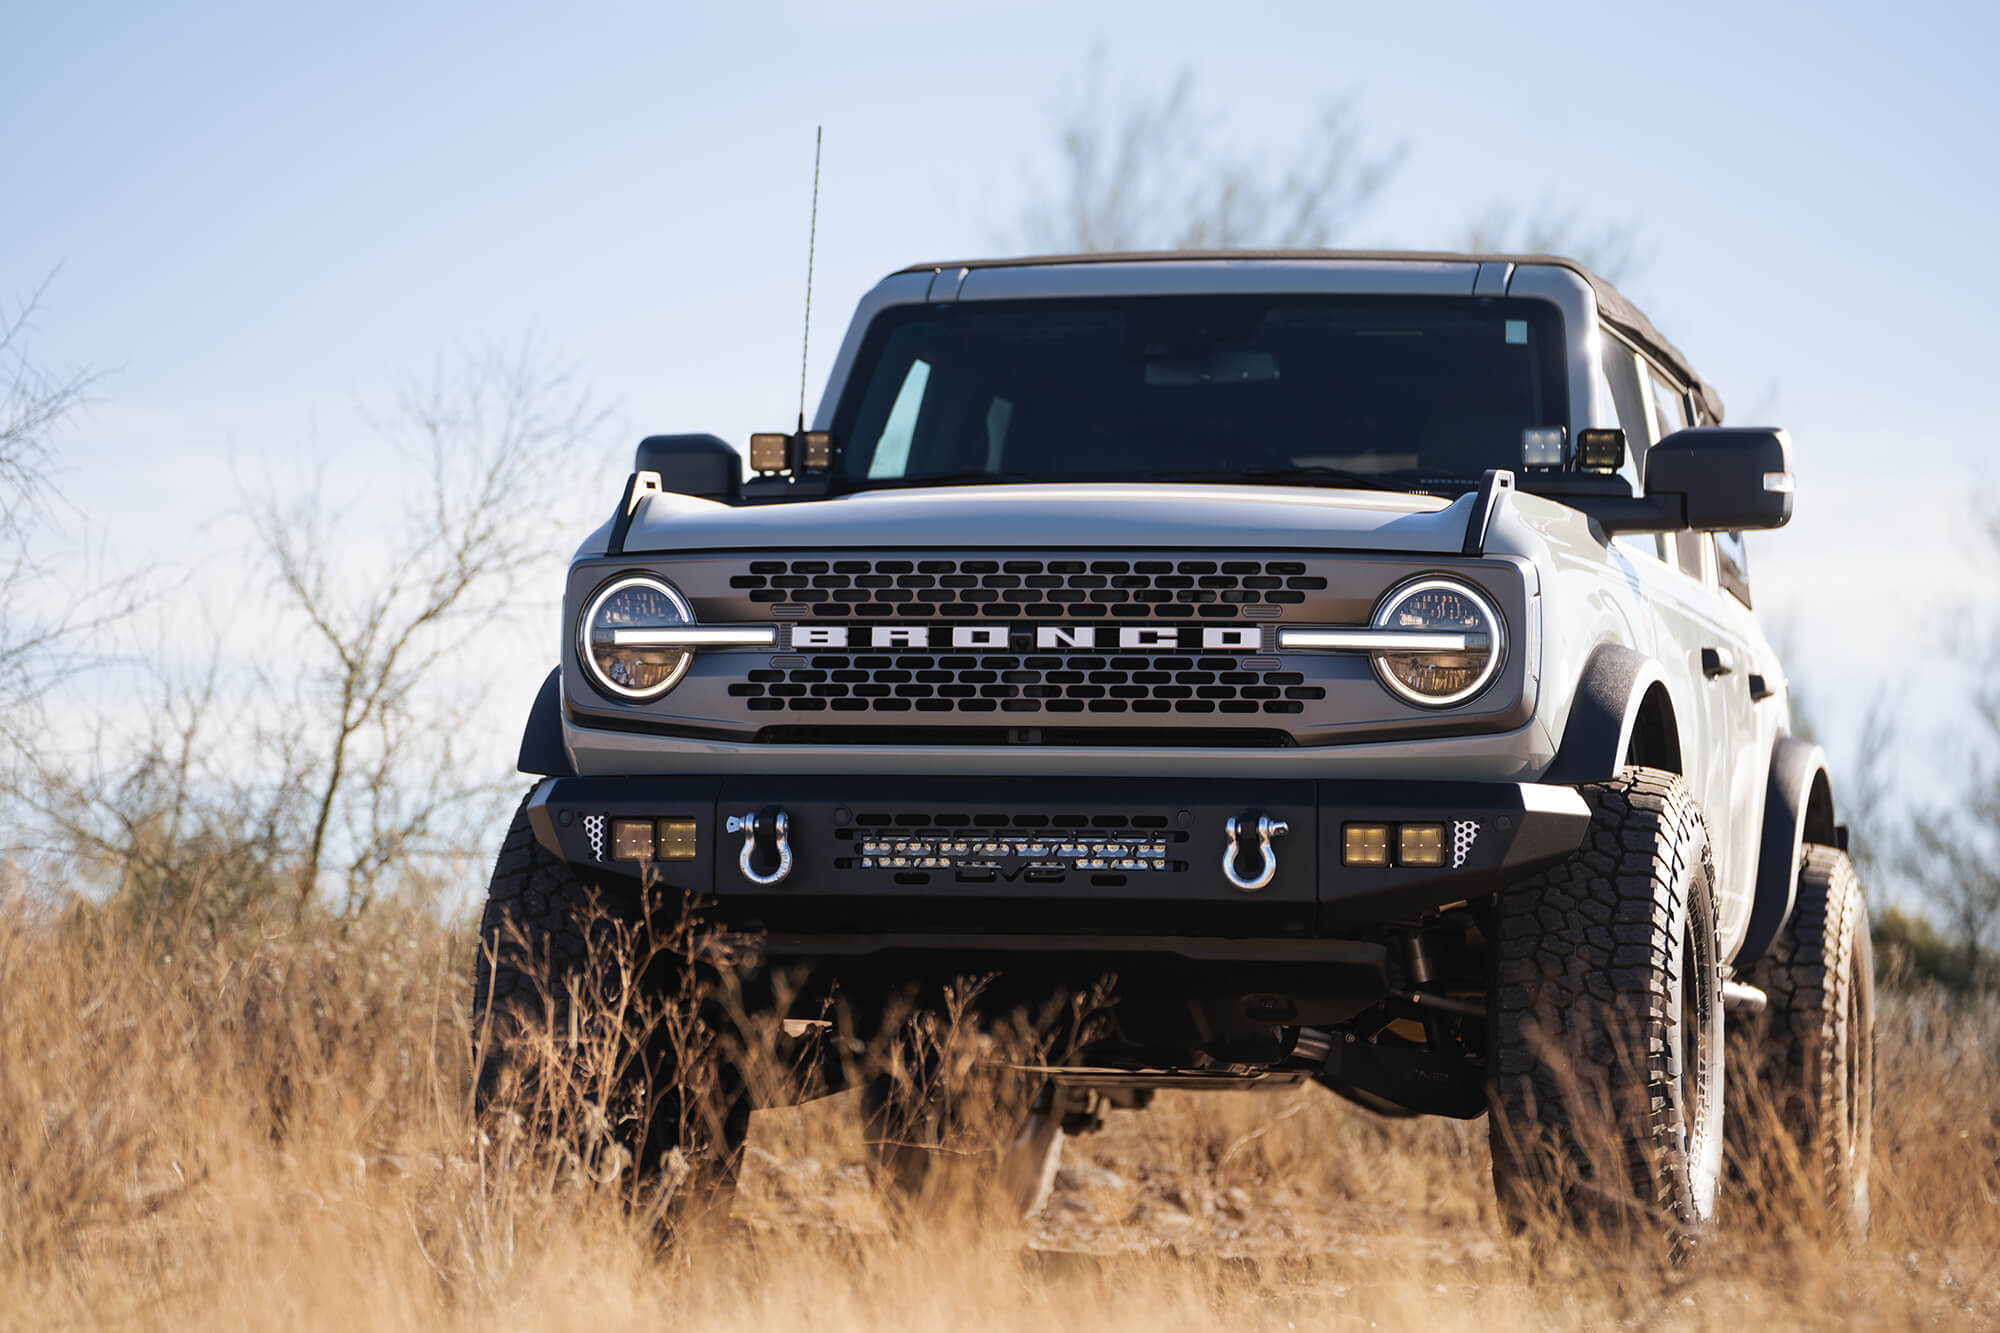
(1698, 643)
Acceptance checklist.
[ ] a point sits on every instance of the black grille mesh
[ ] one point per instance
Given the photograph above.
(945, 588)
(1007, 683)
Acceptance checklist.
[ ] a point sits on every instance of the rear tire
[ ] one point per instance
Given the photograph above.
(1607, 1058)
(1811, 1053)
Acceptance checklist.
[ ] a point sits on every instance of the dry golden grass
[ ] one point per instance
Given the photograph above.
(275, 1131)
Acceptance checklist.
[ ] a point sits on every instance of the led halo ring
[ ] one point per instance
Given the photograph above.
(1496, 649)
(589, 618)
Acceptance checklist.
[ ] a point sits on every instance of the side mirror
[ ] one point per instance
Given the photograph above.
(1729, 478)
(1704, 479)
(699, 465)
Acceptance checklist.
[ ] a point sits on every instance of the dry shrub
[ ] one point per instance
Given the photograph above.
(276, 1129)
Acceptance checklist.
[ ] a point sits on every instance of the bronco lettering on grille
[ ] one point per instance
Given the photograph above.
(1047, 638)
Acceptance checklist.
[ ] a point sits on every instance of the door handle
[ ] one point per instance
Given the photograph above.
(1716, 662)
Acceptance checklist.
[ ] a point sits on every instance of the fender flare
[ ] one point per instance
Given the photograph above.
(1798, 808)
(1603, 714)
(542, 749)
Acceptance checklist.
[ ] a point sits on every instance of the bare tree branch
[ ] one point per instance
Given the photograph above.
(1150, 171)
(490, 448)
(1612, 249)
(33, 400)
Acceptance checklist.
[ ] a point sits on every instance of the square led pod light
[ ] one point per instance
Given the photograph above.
(1542, 446)
(1420, 845)
(1364, 845)
(631, 839)
(676, 840)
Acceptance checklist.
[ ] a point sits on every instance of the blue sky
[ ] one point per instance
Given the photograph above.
(263, 215)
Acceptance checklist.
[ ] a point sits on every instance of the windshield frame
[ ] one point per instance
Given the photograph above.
(1556, 392)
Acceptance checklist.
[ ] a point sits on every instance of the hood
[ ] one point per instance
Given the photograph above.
(1032, 516)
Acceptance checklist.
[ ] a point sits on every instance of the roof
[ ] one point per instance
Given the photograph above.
(1612, 306)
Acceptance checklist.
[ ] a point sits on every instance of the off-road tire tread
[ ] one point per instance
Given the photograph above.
(532, 944)
(1594, 933)
(1806, 976)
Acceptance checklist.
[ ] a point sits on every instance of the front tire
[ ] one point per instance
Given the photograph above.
(1607, 1058)
(591, 1026)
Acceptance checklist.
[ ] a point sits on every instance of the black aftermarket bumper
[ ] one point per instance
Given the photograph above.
(1041, 855)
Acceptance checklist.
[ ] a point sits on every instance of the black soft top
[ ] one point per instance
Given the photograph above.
(1612, 306)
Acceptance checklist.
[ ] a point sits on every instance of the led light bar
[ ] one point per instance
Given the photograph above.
(1381, 640)
(696, 636)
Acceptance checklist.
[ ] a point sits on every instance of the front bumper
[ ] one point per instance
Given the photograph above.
(1027, 857)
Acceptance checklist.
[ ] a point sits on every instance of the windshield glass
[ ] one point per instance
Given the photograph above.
(1402, 392)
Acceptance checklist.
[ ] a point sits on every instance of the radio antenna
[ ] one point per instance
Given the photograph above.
(812, 240)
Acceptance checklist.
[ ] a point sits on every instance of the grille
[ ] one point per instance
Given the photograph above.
(1000, 683)
(980, 848)
(976, 589)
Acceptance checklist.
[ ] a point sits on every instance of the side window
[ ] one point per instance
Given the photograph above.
(1669, 405)
(1732, 565)
(1670, 413)
(1628, 397)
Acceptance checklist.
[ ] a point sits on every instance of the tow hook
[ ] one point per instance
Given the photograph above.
(1267, 829)
(748, 826)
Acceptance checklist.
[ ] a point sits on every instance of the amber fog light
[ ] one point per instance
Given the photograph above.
(1365, 845)
(676, 840)
(1420, 845)
(632, 840)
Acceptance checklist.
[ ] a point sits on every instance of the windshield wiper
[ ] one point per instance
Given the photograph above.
(1280, 476)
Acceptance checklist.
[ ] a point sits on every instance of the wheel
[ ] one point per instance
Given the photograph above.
(594, 1028)
(1810, 1056)
(1606, 1052)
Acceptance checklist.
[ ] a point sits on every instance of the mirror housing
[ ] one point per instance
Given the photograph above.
(1731, 478)
(698, 465)
(1709, 479)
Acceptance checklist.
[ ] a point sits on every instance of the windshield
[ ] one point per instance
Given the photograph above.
(1400, 392)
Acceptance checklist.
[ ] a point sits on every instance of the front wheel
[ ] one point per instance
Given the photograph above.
(592, 1026)
(1606, 1031)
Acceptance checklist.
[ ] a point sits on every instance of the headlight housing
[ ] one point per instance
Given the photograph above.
(624, 609)
(1439, 678)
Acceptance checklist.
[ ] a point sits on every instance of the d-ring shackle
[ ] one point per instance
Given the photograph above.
(1267, 829)
(747, 826)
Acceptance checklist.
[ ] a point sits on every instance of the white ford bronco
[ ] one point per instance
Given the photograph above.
(1348, 655)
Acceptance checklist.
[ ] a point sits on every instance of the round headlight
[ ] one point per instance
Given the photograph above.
(611, 637)
(1438, 678)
